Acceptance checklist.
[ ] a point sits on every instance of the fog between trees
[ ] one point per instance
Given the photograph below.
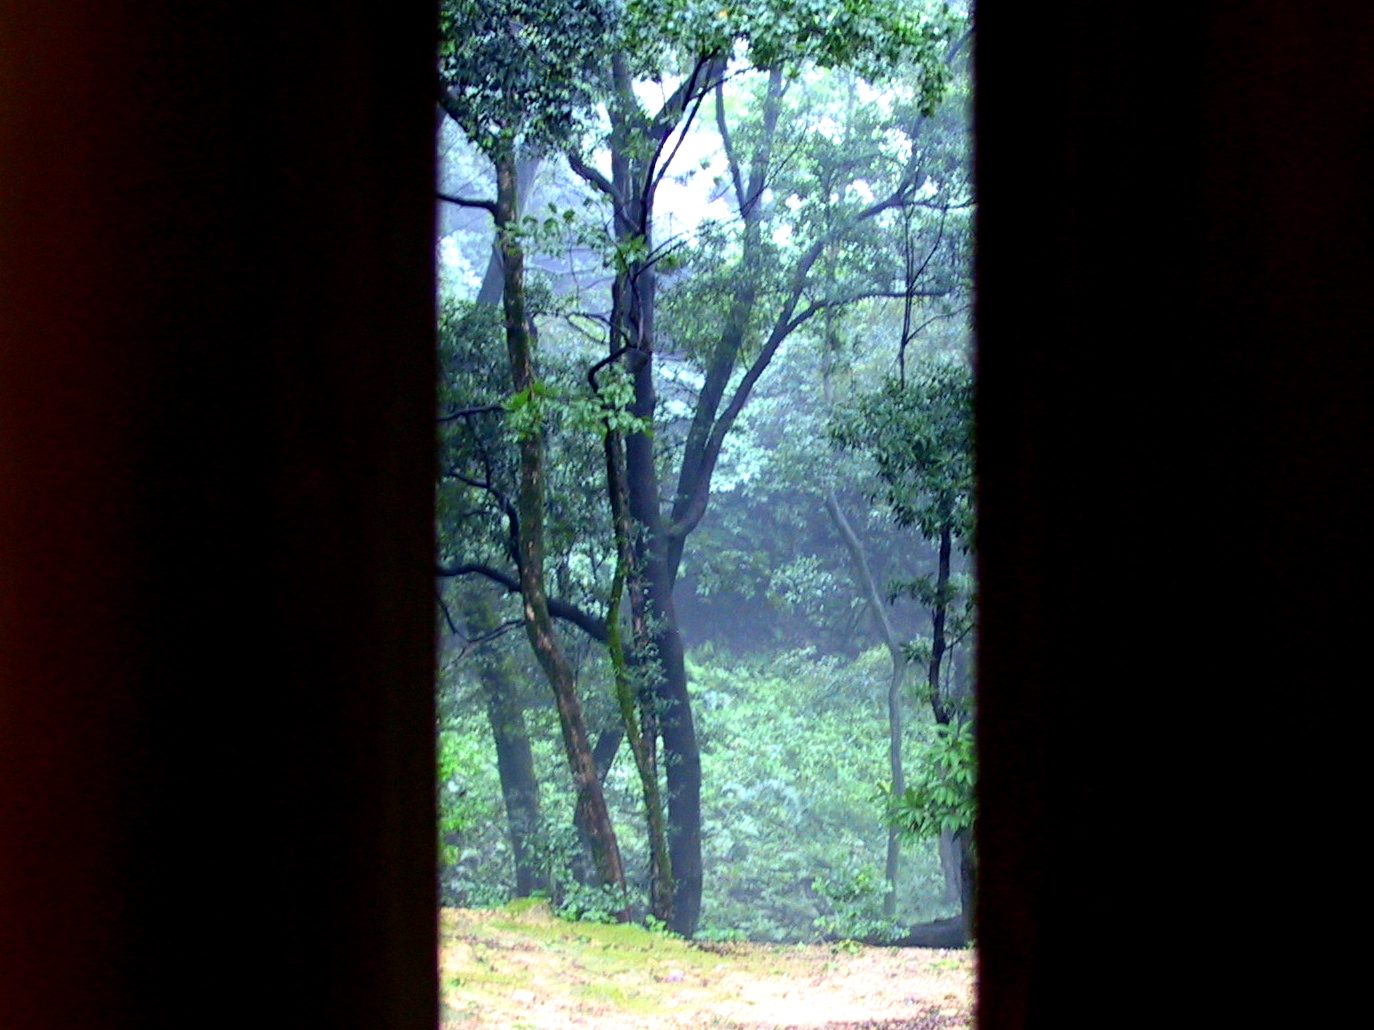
(705, 482)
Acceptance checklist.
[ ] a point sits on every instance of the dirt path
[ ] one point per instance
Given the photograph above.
(522, 969)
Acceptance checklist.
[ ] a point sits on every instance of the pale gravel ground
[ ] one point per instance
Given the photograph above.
(498, 979)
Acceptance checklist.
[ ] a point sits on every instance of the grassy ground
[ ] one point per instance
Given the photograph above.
(521, 968)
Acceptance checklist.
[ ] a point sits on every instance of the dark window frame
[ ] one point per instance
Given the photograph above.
(214, 631)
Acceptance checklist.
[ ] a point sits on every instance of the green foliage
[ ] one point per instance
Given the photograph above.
(940, 797)
(609, 411)
(856, 900)
(791, 746)
(655, 925)
(520, 72)
(792, 741)
(874, 36)
(462, 759)
(919, 435)
(528, 409)
(587, 904)
(475, 861)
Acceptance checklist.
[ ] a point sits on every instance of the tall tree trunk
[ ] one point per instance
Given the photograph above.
(493, 280)
(514, 761)
(658, 642)
(682, 760)
(631, 701)
(660, 645)
(591, 803)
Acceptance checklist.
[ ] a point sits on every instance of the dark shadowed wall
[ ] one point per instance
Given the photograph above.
(215, 529)
(1176, 285)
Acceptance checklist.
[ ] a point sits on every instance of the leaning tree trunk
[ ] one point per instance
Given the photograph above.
(591, 803)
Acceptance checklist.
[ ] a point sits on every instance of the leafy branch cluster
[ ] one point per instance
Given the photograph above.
(521, 72)
(919, 435)
(941, 797)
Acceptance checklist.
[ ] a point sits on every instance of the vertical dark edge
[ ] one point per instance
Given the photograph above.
(216, 433)
(1174, 403)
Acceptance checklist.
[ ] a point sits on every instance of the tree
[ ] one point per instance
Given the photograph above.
(703, 43)
(918, 431)
(514, 73)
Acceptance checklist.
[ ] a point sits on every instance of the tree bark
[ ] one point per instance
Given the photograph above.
(950, 867)
(938, 642)
(945, 713)
(493, 280)
(514, 761)
(591, 803)
(658, 641)
(629, 700)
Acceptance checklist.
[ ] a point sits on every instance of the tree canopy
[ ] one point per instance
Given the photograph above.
(521, 72)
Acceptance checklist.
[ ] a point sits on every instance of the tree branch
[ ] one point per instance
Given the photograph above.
(849, 298)
(489, 206)
(565, 610)
(759, 165)
(676, 107)
(730, 162)
(448, 616)
(592, 177)
(503, 502)
(661, 126)
(691, 512)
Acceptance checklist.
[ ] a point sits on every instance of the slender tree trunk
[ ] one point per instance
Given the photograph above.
(944, 714)
(938, 642)
(863, 575)
(591, 803)
(661, 650)
(514, 761)
(655, 618)
(968, 883)
(950, 867)
(682, 764)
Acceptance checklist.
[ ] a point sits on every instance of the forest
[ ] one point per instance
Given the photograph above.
(704, 568)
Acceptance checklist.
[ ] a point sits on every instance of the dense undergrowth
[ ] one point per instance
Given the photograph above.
(793, 754)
